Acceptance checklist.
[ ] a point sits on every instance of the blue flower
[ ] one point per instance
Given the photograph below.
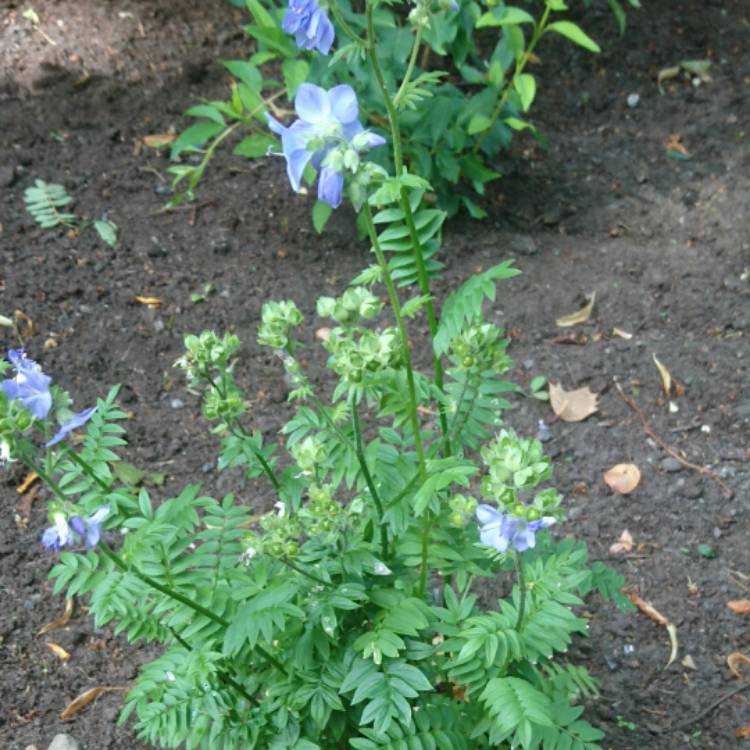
(58, 535)
(502, 531)
(91, 528)
(30, 386)
(72, 424)
(328, 135)
(310, 25)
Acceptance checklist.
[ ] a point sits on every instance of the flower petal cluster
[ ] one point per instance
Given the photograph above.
(328, 135)
(310, 25)
(30, 385)
(64, 533)
(502, 531)
(76, 421)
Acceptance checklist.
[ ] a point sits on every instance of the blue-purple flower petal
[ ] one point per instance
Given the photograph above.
(330, 187)
(76, 421)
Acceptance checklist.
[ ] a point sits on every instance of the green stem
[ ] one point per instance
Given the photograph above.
(538, 32)
(240, 432)
(339, 16)
(522, 588)
(293, 566)
(368, 478)
(409, 68)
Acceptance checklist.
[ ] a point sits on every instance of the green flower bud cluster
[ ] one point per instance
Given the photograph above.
(277, 320)
(281, 534)
(462, 510)
(206, 353)
(482, 347)
(321, 513)
(309, 454)
(364, 176)
(373, 351)
(225, 408)
(355, 303)
(516, 464)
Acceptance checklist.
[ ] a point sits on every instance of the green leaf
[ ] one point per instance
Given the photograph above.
(295, 72)
(525, 85)
(207, 111)
(705, 550)
(260, 14)
(478, 124)
(245, 72)
(255, 145)
(512, 16)
(321, 212)
(195, 136)
(107, 231)
(575, 33)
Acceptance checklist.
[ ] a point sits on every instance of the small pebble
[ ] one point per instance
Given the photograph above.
(176, 403)
(671, 465)
(543, 432)
(633, 100)
(628, 649)
(64, 742)
(163, 189)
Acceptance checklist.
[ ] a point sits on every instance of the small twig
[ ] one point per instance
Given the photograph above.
(710, 707)
(728, 492)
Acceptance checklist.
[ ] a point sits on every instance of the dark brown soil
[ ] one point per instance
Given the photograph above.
(664, 243)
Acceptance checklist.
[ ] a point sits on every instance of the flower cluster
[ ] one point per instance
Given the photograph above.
(30, 385)
(328, 135)
(277, 321)
(310, 25)
(63, 534)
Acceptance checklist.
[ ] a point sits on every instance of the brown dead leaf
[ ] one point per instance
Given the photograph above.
(666, 378)
(150, 301)
(650, 611)
(60, 621)
(674, 143)
(58, 651)
(83, 700)
(739, 606)
(24, 324)
(572, 406)
(578, 317)
(623, 478)
(323, 334)
(624, 544)
(742, 731)
(159, 140)
(734, 660)
(459, 693)
(29, 479)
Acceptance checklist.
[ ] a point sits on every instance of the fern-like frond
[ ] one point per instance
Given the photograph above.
(43, 199)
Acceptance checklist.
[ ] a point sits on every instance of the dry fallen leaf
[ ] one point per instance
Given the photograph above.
(623, 544)
(572, 406)
(60, 621)
(622, 334)
(739, 606)
(742, 731)
(623, 478)
(323, 334)
(666, 378)
(674, 144)
(688, 662)
(83, 700)
(22, 319)
(157, 140)
(58, 651)
(151, 301)
(578, 317)
(650, 611)
(734, 660)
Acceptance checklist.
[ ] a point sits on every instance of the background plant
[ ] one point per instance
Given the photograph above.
(465, 86)
(347, 615)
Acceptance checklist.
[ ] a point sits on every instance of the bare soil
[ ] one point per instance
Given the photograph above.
(664, 243)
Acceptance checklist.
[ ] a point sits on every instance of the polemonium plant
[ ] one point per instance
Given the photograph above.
(336, 604)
